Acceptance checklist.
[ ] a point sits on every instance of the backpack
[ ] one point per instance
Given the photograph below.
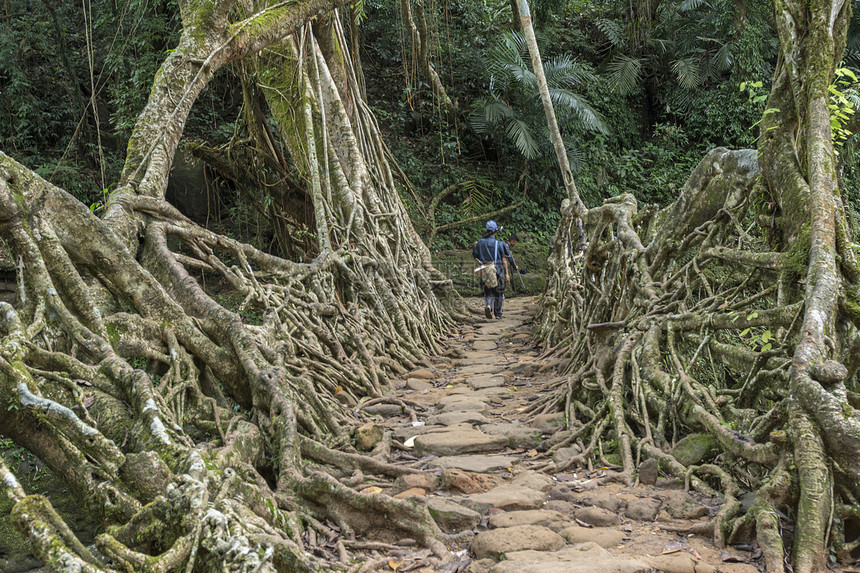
(487, 271)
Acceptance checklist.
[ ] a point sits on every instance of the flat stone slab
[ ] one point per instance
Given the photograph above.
(478, 369)
(497, 542)
(548, 423)
(452, 517)
(473, 405)
(457, 397)
(584, 558)
(477, 464)
(474, 358)
(480, 381)
(484, 345)
(418, 384)
(508, 497)
(405, 432)
(528, 517)
(518, 436)
(458, 442)
(596, 516)
(451, 418)
(603, 536)
(533, 480)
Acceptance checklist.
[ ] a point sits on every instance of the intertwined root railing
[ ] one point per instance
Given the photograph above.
(734, 313)
(186, 429)
(684, 320)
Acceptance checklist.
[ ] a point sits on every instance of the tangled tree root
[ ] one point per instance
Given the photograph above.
(685, 320)
(227, 419)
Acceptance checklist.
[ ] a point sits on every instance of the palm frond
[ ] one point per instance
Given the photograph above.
(489, 113)
(723, 59)
(568, 101)
(565, 70)
(521, 136)
(506, 63)
(575, 156)
(687, 5)
(624, 73)
(613, 32)
(477, 197)
(689, 71)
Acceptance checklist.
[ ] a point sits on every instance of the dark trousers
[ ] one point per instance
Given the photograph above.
(495, 297)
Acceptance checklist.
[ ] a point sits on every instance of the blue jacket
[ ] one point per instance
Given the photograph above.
(485, 248)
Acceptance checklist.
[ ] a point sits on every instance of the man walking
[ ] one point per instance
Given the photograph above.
(491, 249)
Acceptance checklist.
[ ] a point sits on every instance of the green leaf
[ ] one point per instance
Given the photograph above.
(766, 347)
(767, 336)
(744, 332)
(752, 316)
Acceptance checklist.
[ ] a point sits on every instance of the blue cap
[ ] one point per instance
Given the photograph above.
(492, 226)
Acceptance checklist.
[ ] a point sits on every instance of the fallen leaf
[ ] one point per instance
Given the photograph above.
(88, 401)
(372, 489)
(395, 564)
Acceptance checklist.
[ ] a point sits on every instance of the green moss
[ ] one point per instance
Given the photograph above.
(13, 546)
(795, 260)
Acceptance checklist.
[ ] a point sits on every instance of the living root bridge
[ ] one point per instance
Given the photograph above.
(694, 320)
(202, 435)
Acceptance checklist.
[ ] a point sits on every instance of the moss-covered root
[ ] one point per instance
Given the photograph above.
(372, 512)
(50, 538)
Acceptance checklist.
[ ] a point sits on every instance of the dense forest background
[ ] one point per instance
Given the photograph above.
(643, 89)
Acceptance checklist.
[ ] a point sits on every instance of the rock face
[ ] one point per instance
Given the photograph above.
(459, 442)
(498, 542)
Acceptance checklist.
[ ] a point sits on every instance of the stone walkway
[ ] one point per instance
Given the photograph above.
(476, 445)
